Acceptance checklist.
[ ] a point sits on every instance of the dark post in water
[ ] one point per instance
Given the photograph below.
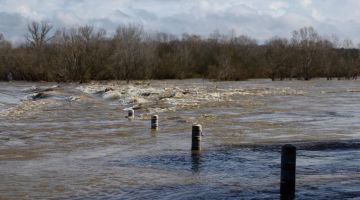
(131, 114)
(288, 169)
(196, 137)
(154, 122)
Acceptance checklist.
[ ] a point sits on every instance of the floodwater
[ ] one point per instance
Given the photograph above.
(72, 141)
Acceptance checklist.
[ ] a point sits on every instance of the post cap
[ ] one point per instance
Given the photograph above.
(196, 127)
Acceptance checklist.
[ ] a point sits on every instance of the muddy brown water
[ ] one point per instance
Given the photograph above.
(75, 142)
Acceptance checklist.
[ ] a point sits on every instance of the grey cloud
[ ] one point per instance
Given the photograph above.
(120, 13)
(145, 14)
(255, 18)
(12, 25)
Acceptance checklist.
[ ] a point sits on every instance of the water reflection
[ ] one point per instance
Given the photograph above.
(195, 162)
(153, 132)
(287, 197)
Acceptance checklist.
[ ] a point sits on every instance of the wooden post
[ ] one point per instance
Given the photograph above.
(288, 171)
(154, 122)
(196, 137)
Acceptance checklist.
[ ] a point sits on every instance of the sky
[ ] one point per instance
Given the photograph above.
(259, 19)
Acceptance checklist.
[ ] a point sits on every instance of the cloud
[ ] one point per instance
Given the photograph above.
(305, 3)
(278, 5)
(256, 18)
(278, 8)
(12, 25)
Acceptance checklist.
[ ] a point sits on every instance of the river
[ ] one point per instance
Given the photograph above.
(71, 141)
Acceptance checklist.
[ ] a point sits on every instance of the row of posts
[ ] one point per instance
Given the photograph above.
(288, 157)
(154, 119)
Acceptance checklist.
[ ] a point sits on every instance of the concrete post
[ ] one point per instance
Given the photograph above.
(131, 114)
(196, 137)
(154, 122)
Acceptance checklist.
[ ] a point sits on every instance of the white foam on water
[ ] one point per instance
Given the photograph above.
(111, 95)
(30, 89)
(26, 107)
(175, 97)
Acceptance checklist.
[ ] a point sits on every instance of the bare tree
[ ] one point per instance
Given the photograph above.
(38, 33)
(82, 54)
(348, 63)
(277, 58)
(128, 56)
(5, 47)
(305, 43)
(85, 53)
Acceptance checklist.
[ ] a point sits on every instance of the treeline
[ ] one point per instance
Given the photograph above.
(85, 54)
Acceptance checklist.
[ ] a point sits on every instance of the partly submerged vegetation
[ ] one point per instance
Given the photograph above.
(84, 53)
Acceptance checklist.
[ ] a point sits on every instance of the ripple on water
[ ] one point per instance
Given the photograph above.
(46, 162)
